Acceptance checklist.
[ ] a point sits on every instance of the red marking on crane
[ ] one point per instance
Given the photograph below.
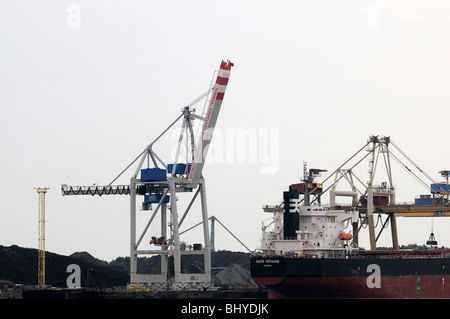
(222, 80)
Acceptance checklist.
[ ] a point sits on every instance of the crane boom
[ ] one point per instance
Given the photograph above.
(95, 190)
(212, 113)
(194, 172)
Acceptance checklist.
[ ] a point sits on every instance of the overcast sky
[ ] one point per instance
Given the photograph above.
(86, 85)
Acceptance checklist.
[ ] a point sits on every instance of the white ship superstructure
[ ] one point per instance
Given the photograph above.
(301, 228)
(320, 231)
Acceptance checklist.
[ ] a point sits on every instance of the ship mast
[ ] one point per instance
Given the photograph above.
(307, 180)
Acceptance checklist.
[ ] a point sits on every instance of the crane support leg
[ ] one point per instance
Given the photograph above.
(207, 251)
(164, 260)
(176, 233)
(373, 244)
(133, 248)
(394, 231)
(370, 210)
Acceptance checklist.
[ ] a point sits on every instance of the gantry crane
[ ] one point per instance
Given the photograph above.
(381, 199)
(161, 182)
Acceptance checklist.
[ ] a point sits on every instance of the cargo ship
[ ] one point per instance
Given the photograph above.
(306, 252)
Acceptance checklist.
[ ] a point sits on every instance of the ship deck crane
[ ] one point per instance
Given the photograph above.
(160, 185)
(380, 199)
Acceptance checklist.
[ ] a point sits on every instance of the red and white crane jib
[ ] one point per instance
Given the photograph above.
(210, 120)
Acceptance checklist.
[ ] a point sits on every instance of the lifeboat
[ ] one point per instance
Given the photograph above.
(345, 236)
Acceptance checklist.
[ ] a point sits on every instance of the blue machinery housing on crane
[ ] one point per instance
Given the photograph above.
(160, 185)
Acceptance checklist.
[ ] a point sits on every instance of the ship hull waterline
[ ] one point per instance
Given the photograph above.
(353, 278)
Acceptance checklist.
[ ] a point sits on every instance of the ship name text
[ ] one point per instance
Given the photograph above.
(267, 261)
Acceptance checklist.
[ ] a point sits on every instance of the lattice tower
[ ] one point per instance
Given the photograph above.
(41, 237)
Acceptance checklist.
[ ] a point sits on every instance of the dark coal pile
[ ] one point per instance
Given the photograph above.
(20, 265)
(234, 275)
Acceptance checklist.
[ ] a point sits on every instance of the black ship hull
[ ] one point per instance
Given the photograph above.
(364, 276)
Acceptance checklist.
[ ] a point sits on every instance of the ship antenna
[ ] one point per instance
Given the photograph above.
(306, 179)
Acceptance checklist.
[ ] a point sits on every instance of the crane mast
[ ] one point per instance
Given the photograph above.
(161, 183)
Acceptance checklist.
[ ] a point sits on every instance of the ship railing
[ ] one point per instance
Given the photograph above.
(290, 237)
(398, 254)
(362, 254)
(346, 205)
